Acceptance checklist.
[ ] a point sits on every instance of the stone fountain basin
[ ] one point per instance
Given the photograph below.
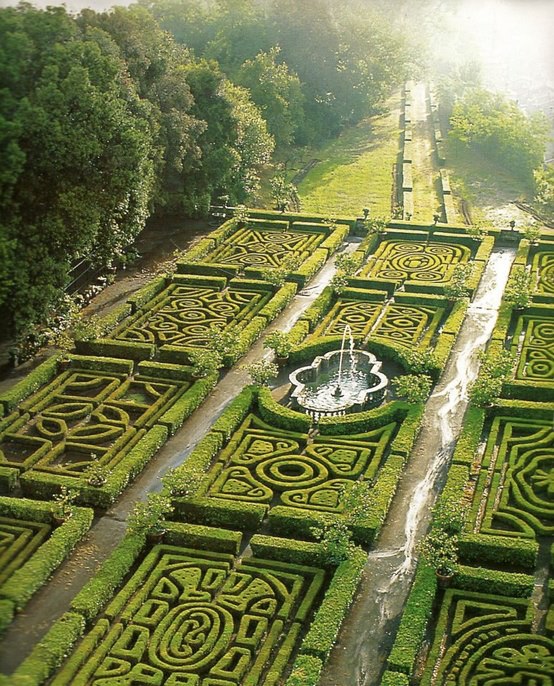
(362, 387)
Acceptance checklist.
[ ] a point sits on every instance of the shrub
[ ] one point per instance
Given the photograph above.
(261, 372)
(414, 387)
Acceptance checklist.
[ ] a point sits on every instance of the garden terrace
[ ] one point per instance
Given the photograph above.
(181, 317)
(424, 261)
(251, 612)
(98, 413)
(264, 464)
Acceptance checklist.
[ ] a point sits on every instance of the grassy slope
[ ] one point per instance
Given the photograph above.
(356, 170)
(488, 189)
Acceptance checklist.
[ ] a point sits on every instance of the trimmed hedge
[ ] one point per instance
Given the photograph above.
(102, 587)
(287, 550)
(493, 581)
(323, 632)
(112, 348)
(360, 422)
(49, 653)
(279, 416)
(484, 549)
(101, 364)
(235, 413)
(306, 671)
(146, 293)
(203, 538)
(27, 579)
(192, 399)
(417, 613)
(394, 679)
(310, 267)
(40, 376)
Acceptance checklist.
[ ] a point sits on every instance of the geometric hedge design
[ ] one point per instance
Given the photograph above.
(264, 248)
(18, 541)
(515, 491)
(84, 416)
(184, 315)
(428, 263)
(543, 267)
(264, 465)
(487, 640)
(398, 323)
(190, 618)
(533, 342)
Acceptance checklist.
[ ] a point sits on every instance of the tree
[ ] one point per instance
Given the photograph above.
(81, 174)
(495, 126)
(414, 387)
(276, 91)
(544, 190)
(519, 291)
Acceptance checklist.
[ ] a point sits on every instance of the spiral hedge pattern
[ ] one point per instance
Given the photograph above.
(249, 247)
(187, 617)
(184, 315)
(426, 263)
(83, 417)
(533, 343)
(265, 465)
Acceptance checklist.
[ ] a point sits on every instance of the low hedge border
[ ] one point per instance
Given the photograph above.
(306, 671)
(323, 632)
(515, 585)
(309, 268)
(99, 364)
(50, 652)
(203, 538)
(235, 413)
(111, 348)
(413, 624)
(192, 399)
(484, 549)
(288, 550)
(146, 293)
(31, 576)
(40, 376)
(280, 416)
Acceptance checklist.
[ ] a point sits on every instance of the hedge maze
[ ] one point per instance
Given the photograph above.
(495, 623)
(490, 640)
(189, 617)
(406, 260)
(249, 247)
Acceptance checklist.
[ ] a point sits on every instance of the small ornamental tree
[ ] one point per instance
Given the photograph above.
(279, 342)
(205, 362)
(457, 288)
(149, 517)
(519, 291)
(414, 387)
(262, 372)
(440, 550)
(419, 361)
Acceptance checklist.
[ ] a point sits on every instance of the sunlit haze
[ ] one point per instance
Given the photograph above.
(513, 39)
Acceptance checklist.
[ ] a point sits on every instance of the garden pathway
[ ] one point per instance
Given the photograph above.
(425, 169)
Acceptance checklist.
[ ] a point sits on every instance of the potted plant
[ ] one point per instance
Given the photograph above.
(63, 504)
(280, 343)
(440, 550)
(261, 372)
(204, 362)
(148, 517)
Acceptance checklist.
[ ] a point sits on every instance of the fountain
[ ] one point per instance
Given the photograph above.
(341, 381)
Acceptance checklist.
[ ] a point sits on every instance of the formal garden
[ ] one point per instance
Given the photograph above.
(243, 567)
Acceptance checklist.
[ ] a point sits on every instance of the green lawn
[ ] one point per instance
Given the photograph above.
(356, 169)
(486, 187)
